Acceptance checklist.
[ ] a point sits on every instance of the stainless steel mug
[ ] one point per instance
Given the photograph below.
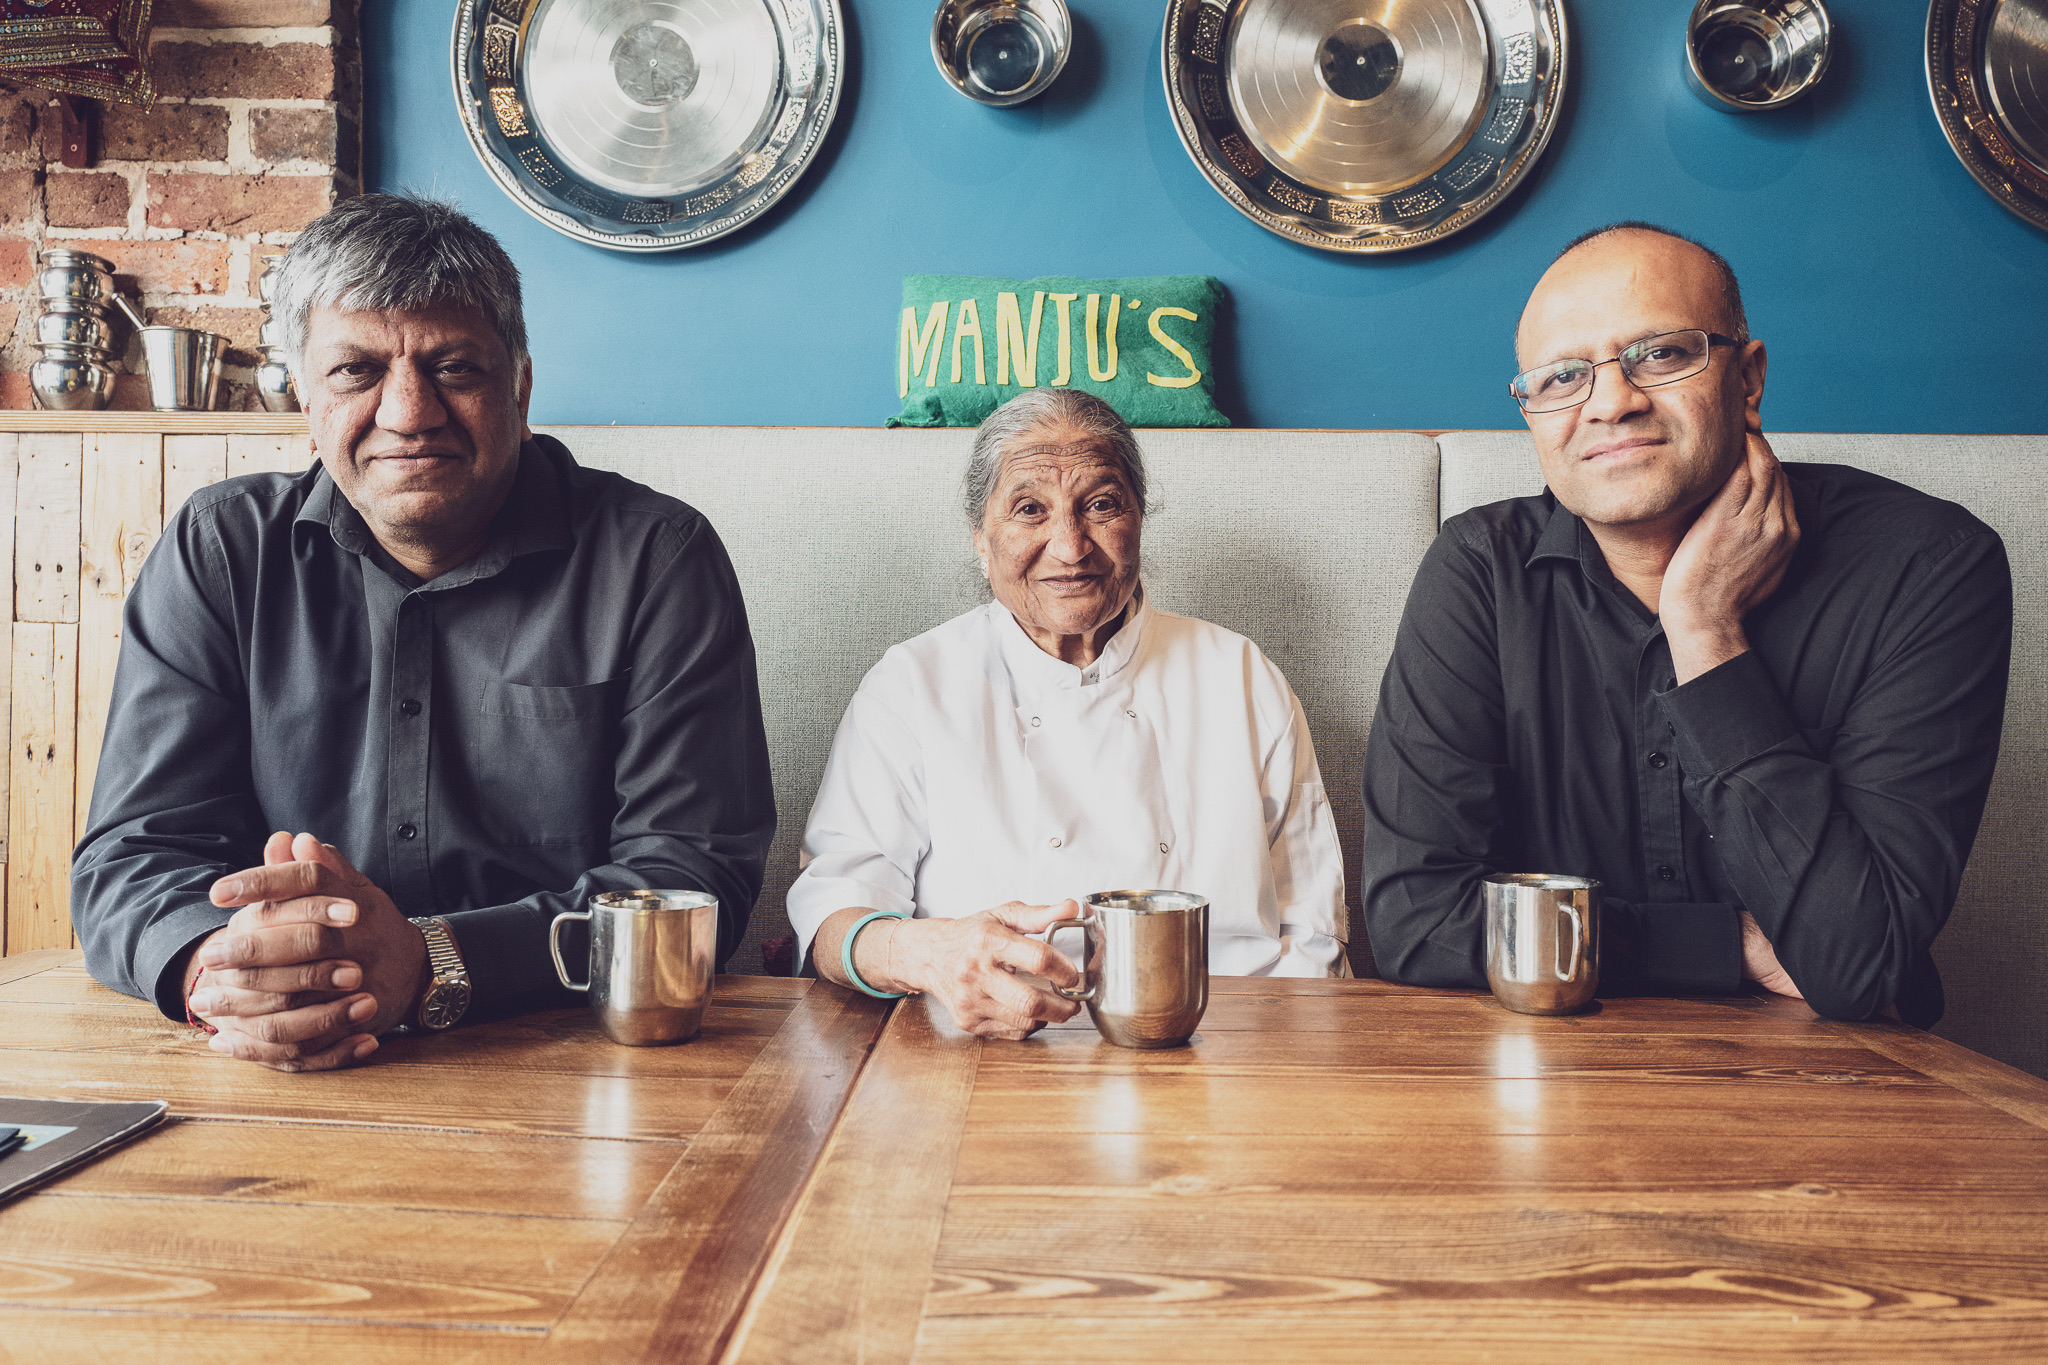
(1542, 941)
(1145, 975)
(651, 955)
(184, 368)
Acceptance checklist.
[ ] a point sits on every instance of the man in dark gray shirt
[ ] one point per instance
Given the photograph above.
(468, 682)
(1760, 704)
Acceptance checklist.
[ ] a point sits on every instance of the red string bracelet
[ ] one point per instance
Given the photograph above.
(194, 1020)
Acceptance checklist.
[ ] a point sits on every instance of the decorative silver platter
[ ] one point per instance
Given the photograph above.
(646, 125)
(1987, 71)
(1356, 126)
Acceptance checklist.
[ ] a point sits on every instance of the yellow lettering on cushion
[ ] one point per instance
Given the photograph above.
(969, 325)
(1100, 374)
(1010, 339)
(1065, 374)
(912, 348)
(1180, 352)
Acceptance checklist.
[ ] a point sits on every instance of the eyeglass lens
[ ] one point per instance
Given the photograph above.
(1662, 359)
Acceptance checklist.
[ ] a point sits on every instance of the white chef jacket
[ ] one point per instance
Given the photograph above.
(973, 768)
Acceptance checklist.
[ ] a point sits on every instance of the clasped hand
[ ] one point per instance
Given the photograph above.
(316, 962)
(971, 964)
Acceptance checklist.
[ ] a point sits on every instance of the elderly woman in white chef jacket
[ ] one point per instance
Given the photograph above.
(1067, 737)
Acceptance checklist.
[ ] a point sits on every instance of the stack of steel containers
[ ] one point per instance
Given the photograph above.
(76, 370)
(274, 375)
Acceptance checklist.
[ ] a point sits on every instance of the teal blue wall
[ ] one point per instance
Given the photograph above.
(1894, 293)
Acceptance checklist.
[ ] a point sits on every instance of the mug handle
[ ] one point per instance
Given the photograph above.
(1087, 926)
(555, 946)
(1569, 966)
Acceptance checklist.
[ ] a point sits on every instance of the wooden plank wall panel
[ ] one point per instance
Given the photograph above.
(83, 498)
(191, 463)
(44, 731)
(10, 447)
(268, 454)
(122, 513)
(46, 538)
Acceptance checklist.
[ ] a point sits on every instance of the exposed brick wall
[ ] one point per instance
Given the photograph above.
(257, 129)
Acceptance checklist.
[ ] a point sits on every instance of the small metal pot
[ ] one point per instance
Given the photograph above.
(74, 326)
(274, 382)
(1748, 58)
(74, 282)
(70, 385)
(68, 258)
(271, 333)
(1001, 52)
(266, 283)
(69, 353)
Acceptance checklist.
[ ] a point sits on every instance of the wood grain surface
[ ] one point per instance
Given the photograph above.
(181, 423)
(1333, 1171)
(850, 1277)
(1348, 1170)
(450, 1201)
(121, 515)
(675, 1283)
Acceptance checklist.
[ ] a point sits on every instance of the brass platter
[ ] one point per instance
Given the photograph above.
(1987, 72)
(1364, 125)
(646, 125)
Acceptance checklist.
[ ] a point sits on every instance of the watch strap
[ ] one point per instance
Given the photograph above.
(445, 965)
(441, 954)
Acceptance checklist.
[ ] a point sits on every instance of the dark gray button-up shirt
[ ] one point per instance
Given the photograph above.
(573, 711)
(1829, 781)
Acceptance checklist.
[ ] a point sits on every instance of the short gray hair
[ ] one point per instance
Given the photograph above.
(1034, 410)
(382, 251)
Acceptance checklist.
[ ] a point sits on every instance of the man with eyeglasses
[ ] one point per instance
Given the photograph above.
(1760, 704)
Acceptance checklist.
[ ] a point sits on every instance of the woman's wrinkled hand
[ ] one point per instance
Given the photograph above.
(970, 965)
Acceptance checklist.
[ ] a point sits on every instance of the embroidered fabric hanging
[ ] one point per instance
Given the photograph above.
(95, 48)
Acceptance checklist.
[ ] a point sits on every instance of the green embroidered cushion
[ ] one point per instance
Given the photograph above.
(967, 343)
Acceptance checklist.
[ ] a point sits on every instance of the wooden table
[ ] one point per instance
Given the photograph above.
(1336, 1171)
(516, 1189)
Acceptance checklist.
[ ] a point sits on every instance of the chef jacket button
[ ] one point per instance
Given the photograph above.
(1055, 843)
(408, 831)
(409, 707)
(1162, 848)
(1658, 760)
(1034, 720)
(1664, 871)
(1132, 714)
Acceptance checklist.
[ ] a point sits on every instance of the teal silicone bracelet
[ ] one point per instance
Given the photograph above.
(846, 953)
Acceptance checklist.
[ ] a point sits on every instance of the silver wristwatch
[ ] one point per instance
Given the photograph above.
(447, 994)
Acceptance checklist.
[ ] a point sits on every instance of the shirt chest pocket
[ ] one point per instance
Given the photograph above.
(545, 760)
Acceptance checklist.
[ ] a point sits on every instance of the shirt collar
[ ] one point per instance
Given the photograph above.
(535, 517)
(1561, 537)
(1027, 661)
(1565, 537)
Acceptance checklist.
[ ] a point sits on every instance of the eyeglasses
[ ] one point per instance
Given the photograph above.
(1662, 359)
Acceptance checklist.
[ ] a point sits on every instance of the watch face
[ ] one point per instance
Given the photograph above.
(444, 1003)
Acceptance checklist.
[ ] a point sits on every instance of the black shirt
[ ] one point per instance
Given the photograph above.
(1829, 781)
(573, 711)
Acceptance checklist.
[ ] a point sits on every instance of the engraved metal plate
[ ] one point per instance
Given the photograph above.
(1364, 125)
(1987, 73)
(646, 125)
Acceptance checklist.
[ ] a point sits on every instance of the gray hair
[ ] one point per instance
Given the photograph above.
(382, 251)
(1033, 411)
